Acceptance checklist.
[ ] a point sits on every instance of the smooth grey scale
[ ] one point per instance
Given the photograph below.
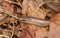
(35, 21)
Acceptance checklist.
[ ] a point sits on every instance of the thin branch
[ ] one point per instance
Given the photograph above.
(19, 3)
(4, 36)
(42, 4)
(14, 3)
(12, 31)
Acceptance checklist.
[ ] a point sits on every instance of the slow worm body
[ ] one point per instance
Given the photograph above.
(35, 21)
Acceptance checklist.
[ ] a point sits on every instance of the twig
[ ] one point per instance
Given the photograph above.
(4, 36)
(8, 12)
(14, 3)
(12, 31)
(25, 6)
(42, 4)
(32, 36)
(19, 3)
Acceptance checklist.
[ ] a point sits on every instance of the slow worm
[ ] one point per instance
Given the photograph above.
(34, 21)
(29, 20)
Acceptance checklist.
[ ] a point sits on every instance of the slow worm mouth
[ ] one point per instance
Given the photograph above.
(35, 21)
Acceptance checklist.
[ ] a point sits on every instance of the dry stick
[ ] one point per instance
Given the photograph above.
(25, 6)
(2, 11)
(12, 31)
(4, 36)
(42, 4)
(7, 12)
(19, 3)
(31, 5)
(14, 3)
(3, 18)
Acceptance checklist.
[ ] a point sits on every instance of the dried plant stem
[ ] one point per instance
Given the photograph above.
(4, 36)
(42, 4)
(8, 12)
(12, 31)
(19, 3)
(14, 2)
